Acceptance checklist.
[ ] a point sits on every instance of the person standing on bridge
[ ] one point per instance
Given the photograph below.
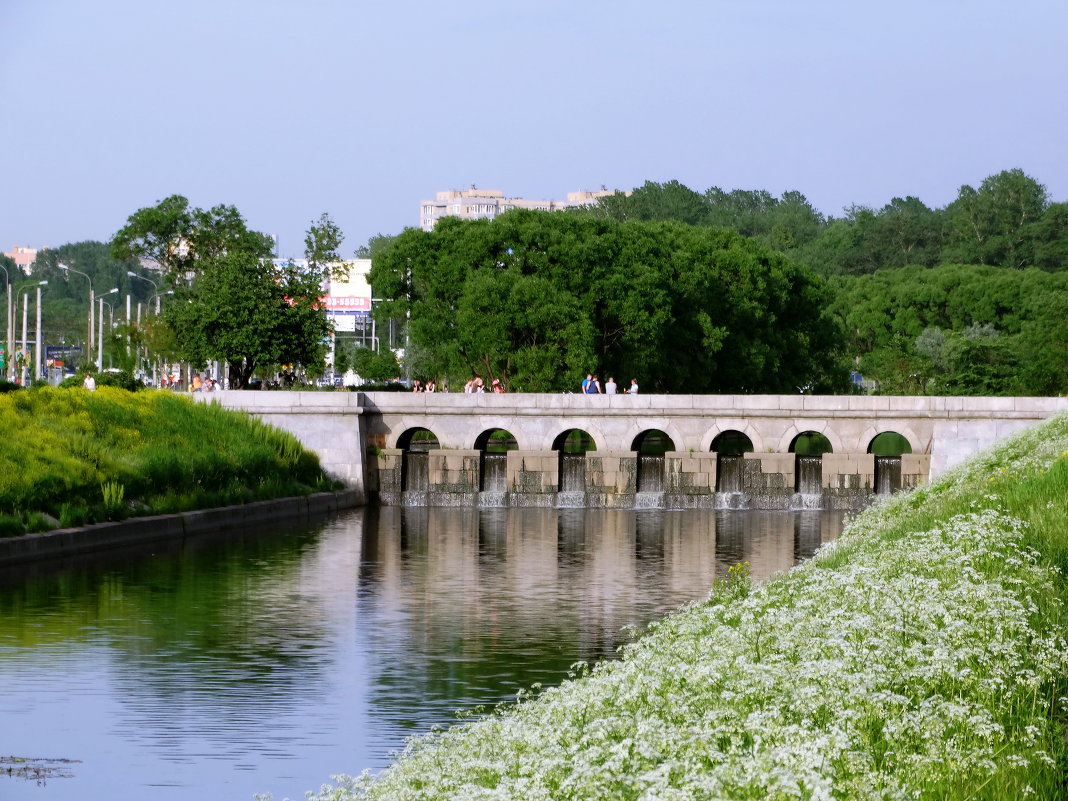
(633, 387)
(610, 386)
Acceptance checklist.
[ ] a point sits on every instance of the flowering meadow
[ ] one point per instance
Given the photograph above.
(920, 656)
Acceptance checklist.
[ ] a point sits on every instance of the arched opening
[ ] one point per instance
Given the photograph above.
(729, 447)
(493, 447)
(887, 448)
(808, 448)
(651, 446)
(416, 444)
(572, 446)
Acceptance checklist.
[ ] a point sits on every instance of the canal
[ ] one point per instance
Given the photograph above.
(264, 663)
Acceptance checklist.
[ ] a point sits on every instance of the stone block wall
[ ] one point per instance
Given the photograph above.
(768, 479)
(454, 477)
(611, 478)
(848, 471)
(533, 477)
(689, 479)
(915, 469)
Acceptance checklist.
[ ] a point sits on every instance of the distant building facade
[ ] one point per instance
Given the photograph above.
(23, 257)
(485, 204)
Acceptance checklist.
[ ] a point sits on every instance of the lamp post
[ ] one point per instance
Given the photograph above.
(10, 339)
(100, 333)
(156, 297)
(25, 333)
(40, 338)
(89, 336)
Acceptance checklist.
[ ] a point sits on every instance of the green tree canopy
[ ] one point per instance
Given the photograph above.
(539, 299)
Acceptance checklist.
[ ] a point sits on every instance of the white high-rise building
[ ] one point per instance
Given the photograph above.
(485, 204)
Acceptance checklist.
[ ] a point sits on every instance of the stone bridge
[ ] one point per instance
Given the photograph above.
(368, 439)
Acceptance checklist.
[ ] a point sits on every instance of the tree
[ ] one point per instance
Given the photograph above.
(182, 239)
(539, 299)
(250, 313)
(991, 225)
(375, 245)
(231, 301)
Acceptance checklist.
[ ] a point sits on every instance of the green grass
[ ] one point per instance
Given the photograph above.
(71, 457)
(920, 656)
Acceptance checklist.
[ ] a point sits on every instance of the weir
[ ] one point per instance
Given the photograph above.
(710, 451)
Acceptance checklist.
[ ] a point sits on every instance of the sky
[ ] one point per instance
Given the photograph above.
(360, 110)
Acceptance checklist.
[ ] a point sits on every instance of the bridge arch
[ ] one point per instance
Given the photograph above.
(493, 445)
(743, 427)
(871, 433)
(415, 444)
(650, 447)
(793, 431)
(571, 447)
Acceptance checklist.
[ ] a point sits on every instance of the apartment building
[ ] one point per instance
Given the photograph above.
(485, 204)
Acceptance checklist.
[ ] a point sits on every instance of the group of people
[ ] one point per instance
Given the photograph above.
(591, 385)
(477, 385)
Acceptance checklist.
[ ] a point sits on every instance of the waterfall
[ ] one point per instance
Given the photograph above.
(729, 471)
(887, 474)
(573, 472)
(494, 472)
(572, 492)
(650, 474)
(416, 477)
(809, 472)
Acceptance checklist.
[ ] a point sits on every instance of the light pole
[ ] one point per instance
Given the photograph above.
(40, 338)
(25, 333)
(10, 340)
(100, 333)
(89, 337)
(157, 296)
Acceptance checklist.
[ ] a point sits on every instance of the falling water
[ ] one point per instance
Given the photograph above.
(494, 472)
(887, 474)
(729, 494)
(416, 477)
(650, 474)
(573, 472)
(809, 482)
(572, 480)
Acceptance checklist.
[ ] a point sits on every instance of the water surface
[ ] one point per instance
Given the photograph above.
(230, 666)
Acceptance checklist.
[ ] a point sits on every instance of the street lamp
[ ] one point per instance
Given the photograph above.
(40, 337)
(25, 316)
(10, 340)
(89, 337)
(157, 296)
(100, 333)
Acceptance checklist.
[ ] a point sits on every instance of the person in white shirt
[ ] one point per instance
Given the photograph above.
(633, 387)
(610, 386)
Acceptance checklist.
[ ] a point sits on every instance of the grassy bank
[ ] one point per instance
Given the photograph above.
(70, 457)
(921, 656)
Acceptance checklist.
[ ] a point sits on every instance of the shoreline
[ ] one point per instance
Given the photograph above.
(101, 537)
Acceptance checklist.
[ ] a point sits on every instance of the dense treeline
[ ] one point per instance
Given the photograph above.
(540, 299)
(966, 300)
(1008, 221)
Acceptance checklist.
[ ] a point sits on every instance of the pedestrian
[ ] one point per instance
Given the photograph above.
(197, 384)
(479, 385)
(431, 386)
(594, 386)
(89, 383)
(586, 383)
(610, 386)
(498, 387)
(633, 387)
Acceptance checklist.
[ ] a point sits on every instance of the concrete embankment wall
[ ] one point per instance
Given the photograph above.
(141, 530)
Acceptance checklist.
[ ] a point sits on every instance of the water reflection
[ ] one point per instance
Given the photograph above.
(265, 663)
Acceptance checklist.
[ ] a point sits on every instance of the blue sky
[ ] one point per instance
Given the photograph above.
(361, 109)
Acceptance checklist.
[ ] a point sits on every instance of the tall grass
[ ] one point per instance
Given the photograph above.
(71, 457)
(920, 656)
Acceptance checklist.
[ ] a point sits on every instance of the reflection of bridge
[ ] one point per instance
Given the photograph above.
(364, 438)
